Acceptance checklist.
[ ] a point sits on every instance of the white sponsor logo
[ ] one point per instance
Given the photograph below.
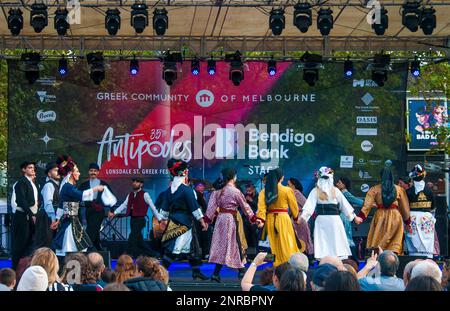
(346, 162)
(366, 132)
(366, 120)
(41, 165)
(365, 188)
(45, 98)
(46, 139)
(366, 146)
(364, 175)
(204, 98)
(363, 83)
(46, 116)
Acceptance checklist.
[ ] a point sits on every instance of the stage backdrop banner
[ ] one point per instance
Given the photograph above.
(131, 125)
(422, 117)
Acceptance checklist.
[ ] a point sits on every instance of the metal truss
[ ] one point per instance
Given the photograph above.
(203, 46)
(210, 3)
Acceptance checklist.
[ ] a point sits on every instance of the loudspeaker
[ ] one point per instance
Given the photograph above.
(404, 260)
(442, 227)
(361, 230)
(106, 257)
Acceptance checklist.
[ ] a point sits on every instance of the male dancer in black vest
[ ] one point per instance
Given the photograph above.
(95, 210)
(46, 218)
(25, 216)
(136, 205)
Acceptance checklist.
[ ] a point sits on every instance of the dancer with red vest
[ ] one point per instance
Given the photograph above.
(136, 205)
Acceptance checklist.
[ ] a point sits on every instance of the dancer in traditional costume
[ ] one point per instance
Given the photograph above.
(328, 202)
(302, 229)
(274, 203)
(224, 205)
(386, 229)
(71, 237)
(179, 208)
(420, 239)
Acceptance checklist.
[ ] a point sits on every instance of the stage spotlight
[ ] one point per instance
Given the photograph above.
(302, 16)
(63, 67)
(60, 22)
(211, 67)
(15, 21)
(38, 17)
(139, 16)
(272, 67)
(134, 66)
(277, 21)
(310, 76)
(97, 67)
(348, 68)
(112, 21)
(160, 21)
(325, 21)
(169, 73)
(236, 74)
(31, 66)
(311, 65)
(380, 67)
(428, 20)
(411, 15)
(380, 28)
(415, 68)
(195, 66)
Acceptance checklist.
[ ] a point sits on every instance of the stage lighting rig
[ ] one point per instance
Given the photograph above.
(15, 21)
(112, 21)
(325, 21)
(236, 74)
(411, 15)
(277, 21)
(160, 21)
(60, 22)
(38, 17)
(96, 63)
(139, 16)
(302, 16)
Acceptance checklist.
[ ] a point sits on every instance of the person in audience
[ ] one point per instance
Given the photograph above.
(125, 269)
(247, 280)
(34, 279)
(320, 276)
(7, 279)
(352, 263)
(98, 265)
(371, 263)
(387, 280)
(292, 280)
(108, 276)
(86, 280)
(408, 269)
(342, 281)
(116, 287)
(424, 283)
(163, 276)
(266, 278)
(351, 269)
(301, 262)
(332, 260)
(427, 268)
(47, 259)
(147, 273)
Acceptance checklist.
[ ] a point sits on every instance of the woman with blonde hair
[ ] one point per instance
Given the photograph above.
(125, 269)
(47, 259)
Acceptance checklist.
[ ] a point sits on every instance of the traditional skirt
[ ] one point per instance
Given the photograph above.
(179, 239)
(71, 237)
(386, 230)
(330, 238)
(420, 240)
(44, 235)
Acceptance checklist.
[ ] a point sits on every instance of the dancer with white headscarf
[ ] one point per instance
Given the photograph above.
(71, 237)
(327, 202)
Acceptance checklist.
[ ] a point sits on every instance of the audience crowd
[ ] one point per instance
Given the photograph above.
(87, 272)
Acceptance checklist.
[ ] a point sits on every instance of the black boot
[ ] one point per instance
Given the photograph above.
(241, 273)
(196, 274)
(216, 278)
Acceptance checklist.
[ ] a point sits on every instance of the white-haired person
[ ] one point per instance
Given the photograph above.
(327, 202)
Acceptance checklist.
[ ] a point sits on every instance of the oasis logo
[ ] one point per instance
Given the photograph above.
(45, 98)
(46, 116)
(204, 98)
(366, 120)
